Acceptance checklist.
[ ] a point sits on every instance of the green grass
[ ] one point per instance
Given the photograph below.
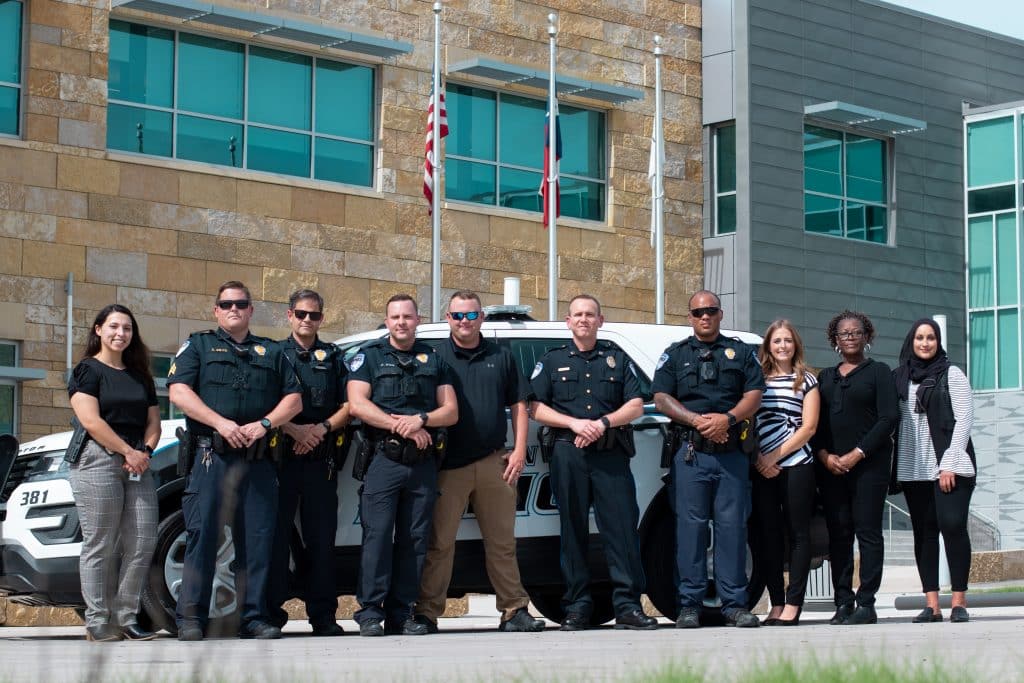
(999, 589)
(783, 671)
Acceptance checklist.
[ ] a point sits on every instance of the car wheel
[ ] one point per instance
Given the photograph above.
(160, 593)
(549, 603)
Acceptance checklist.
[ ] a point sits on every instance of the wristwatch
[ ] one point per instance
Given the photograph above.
(326, 424)
(265, 423)
(606, 422)
(148, 449)
(732, 419)
(424, 417)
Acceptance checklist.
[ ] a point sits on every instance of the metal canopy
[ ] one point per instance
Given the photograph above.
(20, 374)
(871, 120)
(536, 78)
(263, 25)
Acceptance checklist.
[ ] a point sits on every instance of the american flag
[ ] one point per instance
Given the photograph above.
(547, 169)
(430, 158)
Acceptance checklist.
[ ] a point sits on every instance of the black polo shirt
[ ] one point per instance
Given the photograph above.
(486, 381)
(732, 370)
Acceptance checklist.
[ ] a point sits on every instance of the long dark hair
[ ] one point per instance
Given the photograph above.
(136, 354)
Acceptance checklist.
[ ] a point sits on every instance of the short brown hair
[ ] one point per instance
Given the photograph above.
(402, 297)
(234, 284)
(466, 295)
(588, 297)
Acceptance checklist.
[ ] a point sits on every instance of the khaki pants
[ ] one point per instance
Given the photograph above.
(494, 504)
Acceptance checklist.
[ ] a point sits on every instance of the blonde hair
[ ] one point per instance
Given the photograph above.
(768, 366)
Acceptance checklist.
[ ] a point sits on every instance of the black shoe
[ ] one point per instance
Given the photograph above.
(636, 620)
(102, 633)
(770, 621)
(575, 621)
(521, 622)
(371, 629)
(190, 632)
(689, 617)
(741, 618)
(843, 613)
(865, 614)
(795, 621)
(426, 621)
(927, 616)
(135, 632)
(260, 630)
(409, 627)
(959, 615)
(328, 628)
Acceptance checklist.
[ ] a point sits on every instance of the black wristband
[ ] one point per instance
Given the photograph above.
(148, 449)
(424, 417)
(326, 424)
(606, 422)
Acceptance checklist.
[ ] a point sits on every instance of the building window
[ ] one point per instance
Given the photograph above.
(993, 247)
(159, 364)
(725, 180)
(845, 186)
(223, 102)
(495, 152)
(8, 404)
(10, 66)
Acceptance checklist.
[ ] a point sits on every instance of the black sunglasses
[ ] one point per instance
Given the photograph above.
(240, 304)
(315, 316)
(707, 310)
(458, 315)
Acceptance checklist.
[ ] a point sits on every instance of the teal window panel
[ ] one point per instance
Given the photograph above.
(141, 66)
(210, 141)
(472, 123)
(211, 76)
(521, 190)
(865, 168)
(980, 263)
(522, 132)
(10, 41)
(823, 160)
(280, 88)
(1009, 348)
(1007, 278)
(344, 162)
(278, 151)
(9, 110)
(991, 199)
(344, 100)
(726, 214)
(823, 215)
(866, 222)
(470, 181)
(580, 198)
(135, 129)
(990, 152)
(580, 128)
(725, 164)
(8, 355)
(982, 360)
(7, 407)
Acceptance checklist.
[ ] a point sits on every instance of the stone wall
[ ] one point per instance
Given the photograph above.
(159, 235)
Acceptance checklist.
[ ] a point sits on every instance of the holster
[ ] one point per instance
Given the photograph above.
(546, 439)
(673, 441)
(440, 437)
(749, 443)
(363, 448)
(77, 443)
(186, 451)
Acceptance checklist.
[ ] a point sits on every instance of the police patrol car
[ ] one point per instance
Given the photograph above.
(40, 540)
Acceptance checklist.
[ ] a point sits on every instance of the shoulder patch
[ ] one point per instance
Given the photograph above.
(661, 361)
(181, 349)
(356, 362)
(537, 369)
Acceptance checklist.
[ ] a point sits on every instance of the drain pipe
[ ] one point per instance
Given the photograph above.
(69, 287)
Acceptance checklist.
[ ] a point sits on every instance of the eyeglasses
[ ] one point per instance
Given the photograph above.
(855, 334)
(458, 315)
(240, 304)
(707, 310)
(315, 316)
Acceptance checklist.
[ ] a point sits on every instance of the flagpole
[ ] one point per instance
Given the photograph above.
(552, 179)
(659, 191)
(435, 200)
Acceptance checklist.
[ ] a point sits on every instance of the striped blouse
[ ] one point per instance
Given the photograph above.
(917, 461)
(781, 414)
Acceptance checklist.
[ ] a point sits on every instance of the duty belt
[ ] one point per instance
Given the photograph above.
(708, 446)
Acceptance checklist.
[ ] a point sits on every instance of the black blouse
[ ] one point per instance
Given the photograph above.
(123, 397)
(859, 409)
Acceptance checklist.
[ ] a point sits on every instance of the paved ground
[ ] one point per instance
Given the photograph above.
(469, 649)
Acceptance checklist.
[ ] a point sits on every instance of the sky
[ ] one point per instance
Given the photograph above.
(1000, 16)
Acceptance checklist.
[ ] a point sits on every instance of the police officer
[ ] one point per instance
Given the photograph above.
(306, 479)
(478, 468)
(234, 388)
(709, 384)
(586, 391)
(402, 391)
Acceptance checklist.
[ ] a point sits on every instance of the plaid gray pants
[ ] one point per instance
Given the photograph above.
(116, 514)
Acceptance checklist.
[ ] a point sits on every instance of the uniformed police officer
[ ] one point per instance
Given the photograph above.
(234, 388)
(708, 384)
(586, 391)
(306, 478)
(402, 391)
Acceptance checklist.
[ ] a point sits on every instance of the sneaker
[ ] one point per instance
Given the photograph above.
(689, 617)
(371, 629)
(190, 632)
(426, 621)
(575, 621)
(740, 618)
(636, 620)
(260, 630)
(521, 622)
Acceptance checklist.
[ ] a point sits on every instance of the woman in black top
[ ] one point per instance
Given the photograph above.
(853, 445)
(114, 397)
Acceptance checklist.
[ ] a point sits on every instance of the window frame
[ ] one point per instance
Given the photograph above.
(374, 141)
(15, 393)
(716, 194)
(20, 85)
(173, 413)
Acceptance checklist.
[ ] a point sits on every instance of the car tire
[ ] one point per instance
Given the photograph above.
(548, 602)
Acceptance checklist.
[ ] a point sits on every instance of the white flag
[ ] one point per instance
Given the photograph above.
(652, 175)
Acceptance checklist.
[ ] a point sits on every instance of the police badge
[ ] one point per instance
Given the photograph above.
(259, 350)
(319, 354)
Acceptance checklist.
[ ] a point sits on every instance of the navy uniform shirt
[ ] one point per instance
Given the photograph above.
(241, 381)
(708, 377)
(585, 384)
(401, 382)
(321, 373)
(486, 381)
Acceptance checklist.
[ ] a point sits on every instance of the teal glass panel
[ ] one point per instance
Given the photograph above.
(472, 124)
(726, 214)
(823, 158)
(278, 152)
(470, 182)
(10, 41)
(280, 88)
(9, 98)
(134, 129)
(990, 152)
(865, 168)
(580, 198)
(141, 67)
(725, 164)
(159, 365)
(522, 132)
(344, 100)
(215, 142)
(823, 215)
(520, 190)
(6, 408)
(7, 355)
(344, 162)
(1009, 349)
(866, 222)
(982, 361)
(582, 142)
(991, 199)
(980, 263)
(211, 76)
(1007, 283)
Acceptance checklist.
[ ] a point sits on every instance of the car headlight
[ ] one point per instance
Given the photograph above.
(48, 466)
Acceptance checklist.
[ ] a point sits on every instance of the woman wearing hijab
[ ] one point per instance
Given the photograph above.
(935, 463)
